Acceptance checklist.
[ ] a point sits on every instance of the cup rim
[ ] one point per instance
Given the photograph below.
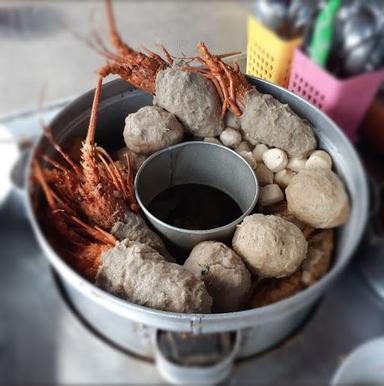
(196, 231)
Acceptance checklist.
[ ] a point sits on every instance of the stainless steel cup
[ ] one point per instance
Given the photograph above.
(196, 163)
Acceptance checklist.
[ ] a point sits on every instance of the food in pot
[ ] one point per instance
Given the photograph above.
(270, 194)
(249, 157)
(138, 273)
(150, 129)
(270, 291)
(243, 146)
(283, 178)
(318, 198)
(224, 273)
(231, 120)
(275, 160)
(92, 215)
(296, 164)
(134, 228)
(264, 175)
(281, 210)
(269, 121)
(259, 150)
(319, 159)
(319, 256)
(192, 98)
(270, 245)
(230, 137)
(136, 160)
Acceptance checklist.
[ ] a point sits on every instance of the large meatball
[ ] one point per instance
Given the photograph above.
(270, 245)
(139, 274)
(134, 228)
(271, 122)
(223, 272)
(318, 198)
(150, 129)
(192, 98)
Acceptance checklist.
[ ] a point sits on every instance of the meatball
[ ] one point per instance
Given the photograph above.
(268, 121)
(135, 159)
(271, 246)
(139, 274)
(150, 129)
(223, 272)
(273, 290)
(134, 228)
(319, 257)
(192, 98)
(318, 198)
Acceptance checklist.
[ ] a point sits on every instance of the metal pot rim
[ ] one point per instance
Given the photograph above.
(201, 322)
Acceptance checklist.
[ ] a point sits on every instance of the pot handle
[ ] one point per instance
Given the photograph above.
(203, 359)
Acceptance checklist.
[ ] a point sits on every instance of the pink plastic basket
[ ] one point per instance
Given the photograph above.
(344, 100)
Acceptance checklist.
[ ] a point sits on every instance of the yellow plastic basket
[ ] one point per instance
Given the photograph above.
(268, 56)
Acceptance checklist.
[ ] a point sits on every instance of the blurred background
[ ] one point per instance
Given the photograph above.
(331, 53)
(40, 47)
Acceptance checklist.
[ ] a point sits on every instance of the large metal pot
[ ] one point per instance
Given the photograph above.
(136, 328)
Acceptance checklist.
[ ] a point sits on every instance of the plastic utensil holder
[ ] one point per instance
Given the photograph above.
(268, 56)
(344, 100)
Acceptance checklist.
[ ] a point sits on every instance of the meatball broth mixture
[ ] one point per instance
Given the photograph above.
(283, 247)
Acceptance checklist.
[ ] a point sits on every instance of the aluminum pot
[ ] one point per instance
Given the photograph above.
(137, 328)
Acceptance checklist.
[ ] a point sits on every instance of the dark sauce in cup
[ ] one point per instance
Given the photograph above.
(194, 207)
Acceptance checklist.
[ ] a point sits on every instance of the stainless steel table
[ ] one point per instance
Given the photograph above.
(43, 341)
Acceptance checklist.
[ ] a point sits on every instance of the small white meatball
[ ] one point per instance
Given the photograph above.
(271, 246)
(248, 156)
(296, 164)
(270, 194)
(150, 129)
(319, 159)
(259, 150)
(275, 159)
(224, 274)
(283, 177)
(212, 140)
(243, 146)
(318, 198)
(230, 137)
(264, 175)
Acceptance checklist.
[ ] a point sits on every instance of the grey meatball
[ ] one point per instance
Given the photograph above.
(150, 129)
(270, 245)
(192, 98)
(134, 228)
(223, 272)
(318, 198)
(139, 274)
(271, 122)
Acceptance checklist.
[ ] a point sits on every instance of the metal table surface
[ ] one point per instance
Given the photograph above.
(43, 341)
